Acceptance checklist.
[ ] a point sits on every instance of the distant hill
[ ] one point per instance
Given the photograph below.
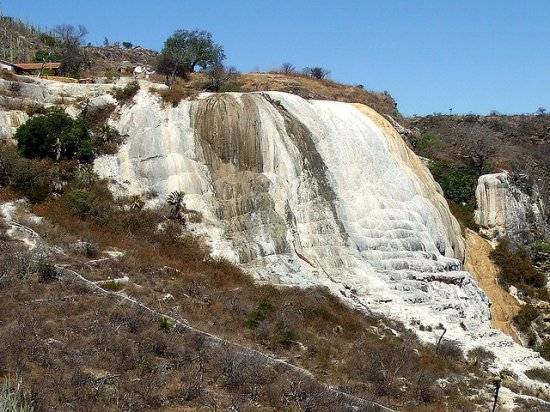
(19, 42)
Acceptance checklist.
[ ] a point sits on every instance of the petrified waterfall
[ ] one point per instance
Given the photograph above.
(312, 193)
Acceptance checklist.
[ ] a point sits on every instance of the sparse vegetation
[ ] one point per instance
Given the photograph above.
(540, 374)
(516, 267)
(312, 327)
(316, 72)
(125, 94)
(525, 317)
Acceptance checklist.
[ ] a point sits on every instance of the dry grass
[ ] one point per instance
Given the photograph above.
(178, 92)
(125, 94)
(311, 88)
(171, 270)
(540, 374)
(344, 346)
(299, 84)
(7, 75)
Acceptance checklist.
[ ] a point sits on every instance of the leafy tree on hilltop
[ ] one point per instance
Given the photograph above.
(55, 135)
(185, 50)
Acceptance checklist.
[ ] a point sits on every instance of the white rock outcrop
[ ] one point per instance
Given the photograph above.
(313, 193)
(10, 121)
(504, 209)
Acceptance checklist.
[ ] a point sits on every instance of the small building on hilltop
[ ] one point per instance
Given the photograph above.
(36, 68)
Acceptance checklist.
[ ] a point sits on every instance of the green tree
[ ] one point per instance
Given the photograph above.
(45, 56)
(55, 135)
(187, 49)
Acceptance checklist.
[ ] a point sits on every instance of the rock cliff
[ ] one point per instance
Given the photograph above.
(505, 208)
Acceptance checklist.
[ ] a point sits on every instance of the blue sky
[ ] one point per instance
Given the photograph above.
(471, 55)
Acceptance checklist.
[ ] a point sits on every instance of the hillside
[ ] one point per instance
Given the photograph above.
(274, 252)
(212, 239)
(19, 42)
(487, 144)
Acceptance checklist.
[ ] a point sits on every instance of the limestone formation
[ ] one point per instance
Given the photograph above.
(506, 209)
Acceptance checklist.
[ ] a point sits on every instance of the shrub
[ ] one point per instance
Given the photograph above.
(15, 88)
(540, 374)
(230, 87)
(283, 335)
(55, 135)
(258, 315)
(544, 349)
(112, 285)
(316, 72)
(450, 350)
(515, 266)
(427, 140)
(80, 202)
(480, 357)
(458, 182)
(106, 140)
(176, 93)
(166, 324)
(93, 201)
(527, 314)
(127, 93)
(288, 68)
(15, 399)
(112, 74)
(97, 116)
(542, 246)
(127, 44)
(223, 79)
(465, 214)
(47, 271)
(30, 178)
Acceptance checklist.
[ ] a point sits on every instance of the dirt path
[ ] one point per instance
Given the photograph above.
(503, 305)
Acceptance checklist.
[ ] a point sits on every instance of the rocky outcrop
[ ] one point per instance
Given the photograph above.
(10, 121)
(505, 208)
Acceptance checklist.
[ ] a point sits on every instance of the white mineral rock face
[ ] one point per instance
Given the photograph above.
(313, 193)
(10, 121)
(503, 209)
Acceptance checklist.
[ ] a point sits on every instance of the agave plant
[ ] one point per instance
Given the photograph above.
(175, 199)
